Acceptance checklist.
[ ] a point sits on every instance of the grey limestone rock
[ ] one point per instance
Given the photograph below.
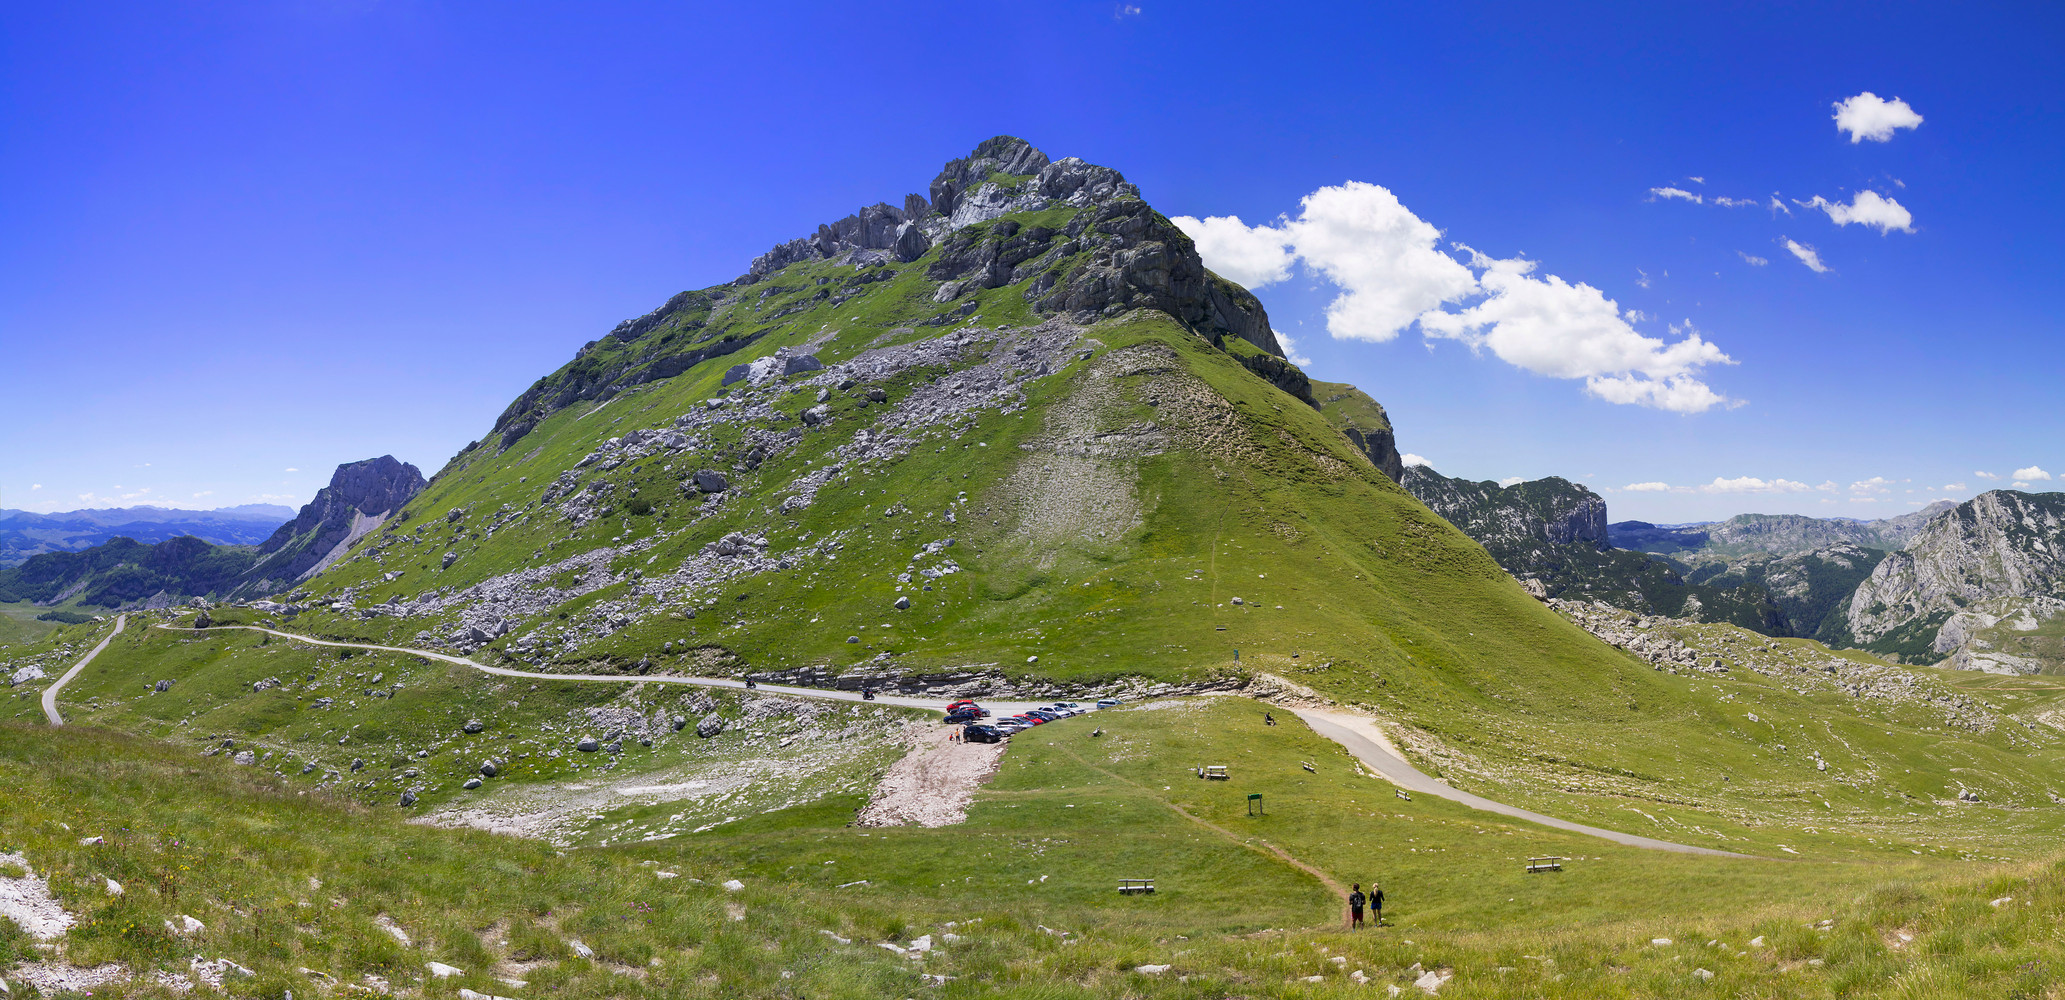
(709, 481)
(474, 725)
(408, 799)
(904, 603)
(162, 686)
(710, 725)
(490, 768)
(471, 784)
(799, 363)
(588, 744)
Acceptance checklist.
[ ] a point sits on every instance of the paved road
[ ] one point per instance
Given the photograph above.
(1363, 740)
(999, 708)
(50, 693)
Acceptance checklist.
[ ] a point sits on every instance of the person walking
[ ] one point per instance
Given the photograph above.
(1376, 902)
(1268, 719)
(1355, 899)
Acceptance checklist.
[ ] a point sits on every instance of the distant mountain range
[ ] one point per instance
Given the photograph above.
(125, 571)
(24, 534)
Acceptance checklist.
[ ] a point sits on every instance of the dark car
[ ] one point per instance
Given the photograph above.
(1031, 719)
(981, 734)
(961, 718)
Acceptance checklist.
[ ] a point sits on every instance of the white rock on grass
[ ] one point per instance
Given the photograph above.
(1703, 975)
(733, 885)
(386, 923)
(1152, 970)
(1660, 942)
(1432, 980)
(580, 949)
(466, 994)
(114, 887)
(443, 971)
(27, 902)
(185, 926)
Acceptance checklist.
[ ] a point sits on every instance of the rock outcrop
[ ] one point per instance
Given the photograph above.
(1551, 535)
(360, 496)
(1999, 555)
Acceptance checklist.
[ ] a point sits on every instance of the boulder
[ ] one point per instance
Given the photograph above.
(162, 686)
(471, 784)
(737, 373)
(708, 481)
(816, 415)
(450, 557)
(490, 769)
(408, 799)
(680, 722)
(588, 744)
(877, 396)
(474, 725)
(903, 604)
(801, 363)
(710, 725)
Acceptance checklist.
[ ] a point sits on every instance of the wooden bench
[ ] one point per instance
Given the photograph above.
(1215, 772)
(1545, 864)
(1135, 886)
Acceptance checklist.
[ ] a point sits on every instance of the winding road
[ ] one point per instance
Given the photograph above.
(1362, 738)
(1356, 733)
(50, 693)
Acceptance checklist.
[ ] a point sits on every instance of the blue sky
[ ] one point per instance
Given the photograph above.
(244, 243)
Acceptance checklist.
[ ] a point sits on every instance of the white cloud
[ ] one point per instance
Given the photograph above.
(1391, 273)
(1512, 480)
(2032, 473)
(1125, 10)
(1290, 350)
(293, 470)
(1986, 475)
(1806, 255)
(1752, 259)
(1647, 487)
(1641, 278)
(1697, 180)
(1778, 206)
(1727, 202)
(1868, 116)
(1876, 484)
(1551, 327)
(1751, 484)
(1951, 488)
(1671, 192)
(1254, 256)
(1411, 459)
(1866, 208)
(204, 493)
(35, 486)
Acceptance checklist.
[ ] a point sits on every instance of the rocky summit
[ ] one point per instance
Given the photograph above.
(360, 496)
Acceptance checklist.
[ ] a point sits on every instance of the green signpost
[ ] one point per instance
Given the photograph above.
(1254, 803)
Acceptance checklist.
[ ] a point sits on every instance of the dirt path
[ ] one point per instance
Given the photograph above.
(1362, 738)
(50, 693)
(933, 783)
(1000, 708)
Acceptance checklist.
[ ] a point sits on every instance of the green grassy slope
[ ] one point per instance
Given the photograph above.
(284, 879)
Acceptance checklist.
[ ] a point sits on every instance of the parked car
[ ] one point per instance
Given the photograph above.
(1108, 703)
(982, 734)
(1031, 719)
(1008, 726)
(1043, 715)
(961, 718)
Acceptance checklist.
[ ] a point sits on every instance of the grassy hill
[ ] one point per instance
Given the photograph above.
(1013, 437)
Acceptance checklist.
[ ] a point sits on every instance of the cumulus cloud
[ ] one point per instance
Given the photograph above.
(1392, 273)
(1876, 484)
(1866, 208)
(1512, 480)
(1290, 349)
(1254, 256)
(1987, 476)
(1648, 488)
(1751, 484)
(1671, 192)
(1869, 116)
(1805, 253)
(2032, 473)
(1411, 459)
(1752, 259)
(35, 486)
(1951, 488)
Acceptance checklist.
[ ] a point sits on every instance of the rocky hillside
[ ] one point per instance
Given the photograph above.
(1552, 535)
(1979, 585)
(360, 497)
(24, 534)
(1808, 586)
(1363, 421)
(124, 571)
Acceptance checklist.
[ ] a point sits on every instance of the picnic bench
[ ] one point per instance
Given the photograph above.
(1135, 886)
(1214, 772)
(1545, 864)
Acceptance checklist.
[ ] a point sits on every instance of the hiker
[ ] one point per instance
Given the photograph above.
(1355, 907)
(1376, 903)
(1268, 719)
